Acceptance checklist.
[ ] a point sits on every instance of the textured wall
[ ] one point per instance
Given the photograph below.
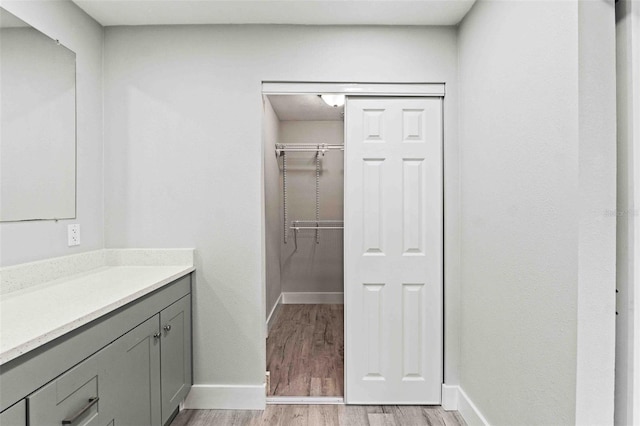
(627, 387)
(520, 211)
(596, 337)
(537, 250)
(183, 154)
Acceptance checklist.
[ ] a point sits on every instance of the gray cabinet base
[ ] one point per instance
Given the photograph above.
(129, 367)
(15, 416)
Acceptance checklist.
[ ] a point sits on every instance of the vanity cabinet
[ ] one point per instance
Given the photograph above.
(138, 377)
(175, 353)
(15, 415)
(131, 371)
(147, 372)
(71, 399)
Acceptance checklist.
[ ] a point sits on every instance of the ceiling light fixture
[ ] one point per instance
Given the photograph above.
(333, 100)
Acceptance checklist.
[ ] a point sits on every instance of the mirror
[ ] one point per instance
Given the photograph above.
(37, 124)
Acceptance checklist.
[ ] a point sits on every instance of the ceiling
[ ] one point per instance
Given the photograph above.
(304, 108)
(303, 12)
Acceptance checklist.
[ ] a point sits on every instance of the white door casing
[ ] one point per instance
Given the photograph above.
(393, 250)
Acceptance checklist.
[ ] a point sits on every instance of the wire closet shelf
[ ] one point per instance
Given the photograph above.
(299, 225)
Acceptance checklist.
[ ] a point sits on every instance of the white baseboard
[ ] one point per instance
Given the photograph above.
(469, 411)
(454, 398)
(226, 397)
(271, 319)
(450, 397)
(312, 298)
(305, 400)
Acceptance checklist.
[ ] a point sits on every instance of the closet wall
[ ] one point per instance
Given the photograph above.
(313, 267)
(273, 213)
(309, 267)
(183, 162)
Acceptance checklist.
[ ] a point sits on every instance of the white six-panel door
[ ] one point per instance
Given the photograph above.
(393, 250)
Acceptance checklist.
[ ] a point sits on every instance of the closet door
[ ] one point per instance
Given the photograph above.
(393, 250)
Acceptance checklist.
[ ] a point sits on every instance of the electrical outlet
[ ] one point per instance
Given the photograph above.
(73, 234)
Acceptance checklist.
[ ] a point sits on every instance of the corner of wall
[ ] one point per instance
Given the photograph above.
(455, 399)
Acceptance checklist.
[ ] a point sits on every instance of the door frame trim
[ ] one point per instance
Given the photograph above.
(407, 89)
(354, 89)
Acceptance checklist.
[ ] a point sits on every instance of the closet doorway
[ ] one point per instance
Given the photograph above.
(353, 243)
(304, 183)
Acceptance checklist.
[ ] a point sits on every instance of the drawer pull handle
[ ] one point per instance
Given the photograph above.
(92, 402)
(167, 327)
(156, 336)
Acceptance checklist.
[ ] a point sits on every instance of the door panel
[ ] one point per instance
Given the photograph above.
(393, 250)
(372, 303)
(175, 372)
(131, 384)
(373, 207)
(413, 208)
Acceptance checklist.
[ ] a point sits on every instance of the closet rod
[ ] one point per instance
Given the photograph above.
(301, 147)
(297, 228)
(316, 224)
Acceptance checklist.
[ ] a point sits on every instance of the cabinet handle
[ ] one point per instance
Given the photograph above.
(167, 327)
(92, 402)
(156, 336)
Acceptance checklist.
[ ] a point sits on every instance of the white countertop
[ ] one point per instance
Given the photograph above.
(38, 314)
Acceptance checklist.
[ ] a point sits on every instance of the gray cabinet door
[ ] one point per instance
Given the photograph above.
(175, 321)
(72, 399)
(131, 385)
(15, 416)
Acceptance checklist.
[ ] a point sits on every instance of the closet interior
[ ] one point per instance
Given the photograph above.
(304, 181)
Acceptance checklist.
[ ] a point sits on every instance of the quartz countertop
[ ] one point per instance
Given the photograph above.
(38, 314)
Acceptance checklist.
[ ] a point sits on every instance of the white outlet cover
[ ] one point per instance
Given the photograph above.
(73, 234)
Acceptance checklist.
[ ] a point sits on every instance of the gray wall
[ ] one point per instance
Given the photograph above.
(28, 241)
(183, 169)
(534, 188)
(595, 369)
(272, 207)
(314, 267)
(628, 252)
(183, 155)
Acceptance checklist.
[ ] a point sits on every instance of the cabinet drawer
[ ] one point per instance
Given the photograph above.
(71, 399)
(15, 416)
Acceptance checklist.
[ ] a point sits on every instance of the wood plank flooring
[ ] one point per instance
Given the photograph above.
(305, 354)
(305, 351)
(321, 415)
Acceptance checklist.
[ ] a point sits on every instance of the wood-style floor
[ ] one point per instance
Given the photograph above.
(305, 351)
(305, 355)
(323, 415)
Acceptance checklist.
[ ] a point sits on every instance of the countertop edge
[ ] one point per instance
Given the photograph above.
(35, 343)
